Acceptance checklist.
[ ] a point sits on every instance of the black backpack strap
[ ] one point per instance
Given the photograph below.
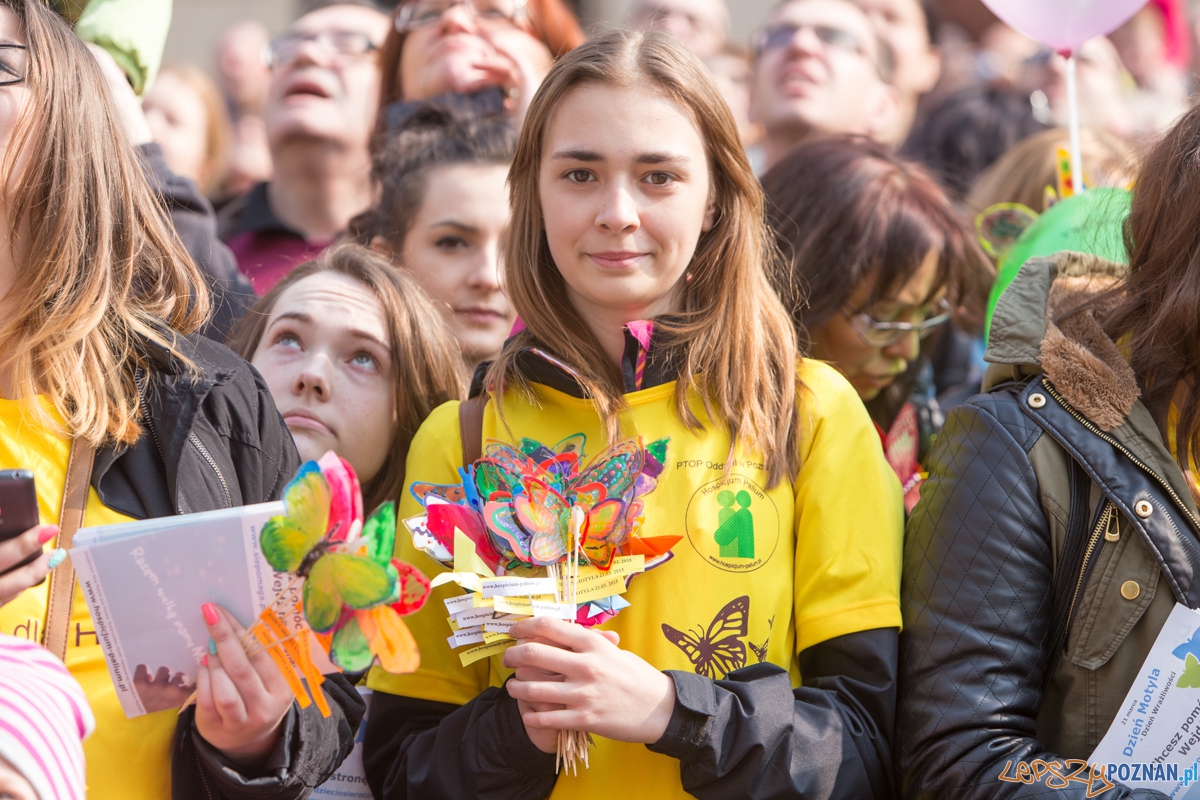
(1070, 561)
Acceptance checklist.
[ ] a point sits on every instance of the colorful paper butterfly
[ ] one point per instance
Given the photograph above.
(518, 501)
(353, 587)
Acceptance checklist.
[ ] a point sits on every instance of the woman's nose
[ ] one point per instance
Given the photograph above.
(907, 348)
(620, 212)
(313, 377)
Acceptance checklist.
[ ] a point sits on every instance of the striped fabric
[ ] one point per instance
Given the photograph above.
(643, 331)
(44, 717)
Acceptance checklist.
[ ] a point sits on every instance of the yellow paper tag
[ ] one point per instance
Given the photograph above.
(468, 657)
(490, 637)
(467, 580)
(514, 605)
(624, 565)
(594, 587)
(465, 557)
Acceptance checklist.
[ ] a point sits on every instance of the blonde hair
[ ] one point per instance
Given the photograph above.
(1023, 173)
(426, 363)
(217, 127)
(737, 342)
(104, 272)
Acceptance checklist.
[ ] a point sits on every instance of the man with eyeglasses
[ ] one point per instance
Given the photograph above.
(820, 69)
(319, 115)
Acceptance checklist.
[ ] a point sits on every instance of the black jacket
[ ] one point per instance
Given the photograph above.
(208, 443)
(195, 223)
(1052, 540)
(750, 735)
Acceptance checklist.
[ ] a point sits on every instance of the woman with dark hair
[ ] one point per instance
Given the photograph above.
(122, 411)
(442, 207)
(965, 132)
(479, 55)
(878, 259)
(1058, 527)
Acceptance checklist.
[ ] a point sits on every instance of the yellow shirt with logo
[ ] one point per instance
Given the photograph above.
(127, 759)
(805, 561)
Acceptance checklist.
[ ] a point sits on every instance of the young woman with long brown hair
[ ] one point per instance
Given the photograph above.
(356, 356)
(1058, 527)
(102, 377)
(637, 258)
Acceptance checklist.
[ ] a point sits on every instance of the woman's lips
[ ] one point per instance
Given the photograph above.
(876, 381)
(480, 315)
(307, 423)
(621, 259)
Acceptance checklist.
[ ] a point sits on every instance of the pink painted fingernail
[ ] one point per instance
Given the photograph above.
(210, 613)
(47, 533)
(204, 661)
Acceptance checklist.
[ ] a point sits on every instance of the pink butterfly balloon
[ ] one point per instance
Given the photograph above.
(1064, 24)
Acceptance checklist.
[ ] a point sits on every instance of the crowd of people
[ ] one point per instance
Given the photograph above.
(844, 267)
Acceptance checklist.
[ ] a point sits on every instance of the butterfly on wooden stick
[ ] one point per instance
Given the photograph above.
(354, 591)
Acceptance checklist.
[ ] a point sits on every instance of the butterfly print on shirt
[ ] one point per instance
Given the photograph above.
(717, 650)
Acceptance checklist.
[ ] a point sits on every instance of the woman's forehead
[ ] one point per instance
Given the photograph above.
(332, 301)
(621, 121)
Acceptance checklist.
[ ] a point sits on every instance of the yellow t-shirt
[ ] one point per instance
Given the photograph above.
(127, 759)
(805, 562)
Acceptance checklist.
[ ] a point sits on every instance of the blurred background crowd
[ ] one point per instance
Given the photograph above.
(967, 85)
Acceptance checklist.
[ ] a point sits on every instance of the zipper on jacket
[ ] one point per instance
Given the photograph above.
(203, 779)
(1087, 423)
(1108, 514)
(195, 440)
(140, 384)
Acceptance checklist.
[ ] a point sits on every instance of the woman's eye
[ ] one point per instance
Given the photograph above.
(660, 178)
(451, 243)
(288, 340)
(365, 361)
(579, 176)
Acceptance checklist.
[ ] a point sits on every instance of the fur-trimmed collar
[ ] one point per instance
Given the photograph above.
(1029, 332)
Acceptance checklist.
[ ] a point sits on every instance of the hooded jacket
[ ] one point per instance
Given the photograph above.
(1054, 536)
(217, 441)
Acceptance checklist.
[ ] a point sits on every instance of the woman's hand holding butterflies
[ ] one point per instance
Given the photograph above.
(241, 700)
(574, 679)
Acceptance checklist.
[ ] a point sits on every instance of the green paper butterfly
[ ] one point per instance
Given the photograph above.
(318, 541)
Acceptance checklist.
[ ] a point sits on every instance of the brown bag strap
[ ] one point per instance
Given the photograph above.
(62, 579)
(470, 427)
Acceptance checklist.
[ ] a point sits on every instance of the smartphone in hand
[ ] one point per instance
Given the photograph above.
(18, 508)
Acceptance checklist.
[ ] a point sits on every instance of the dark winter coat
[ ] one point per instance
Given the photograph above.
(1053, 538)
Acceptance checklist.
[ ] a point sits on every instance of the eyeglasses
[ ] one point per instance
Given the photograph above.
(14, 63)
(780, 35)
(424, 13)
(283, 48)
(875, 333)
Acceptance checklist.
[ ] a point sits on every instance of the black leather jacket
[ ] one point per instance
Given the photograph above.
(1020, 640)
(211, 443)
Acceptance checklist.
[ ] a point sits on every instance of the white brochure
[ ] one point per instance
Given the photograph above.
(1154, 742)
